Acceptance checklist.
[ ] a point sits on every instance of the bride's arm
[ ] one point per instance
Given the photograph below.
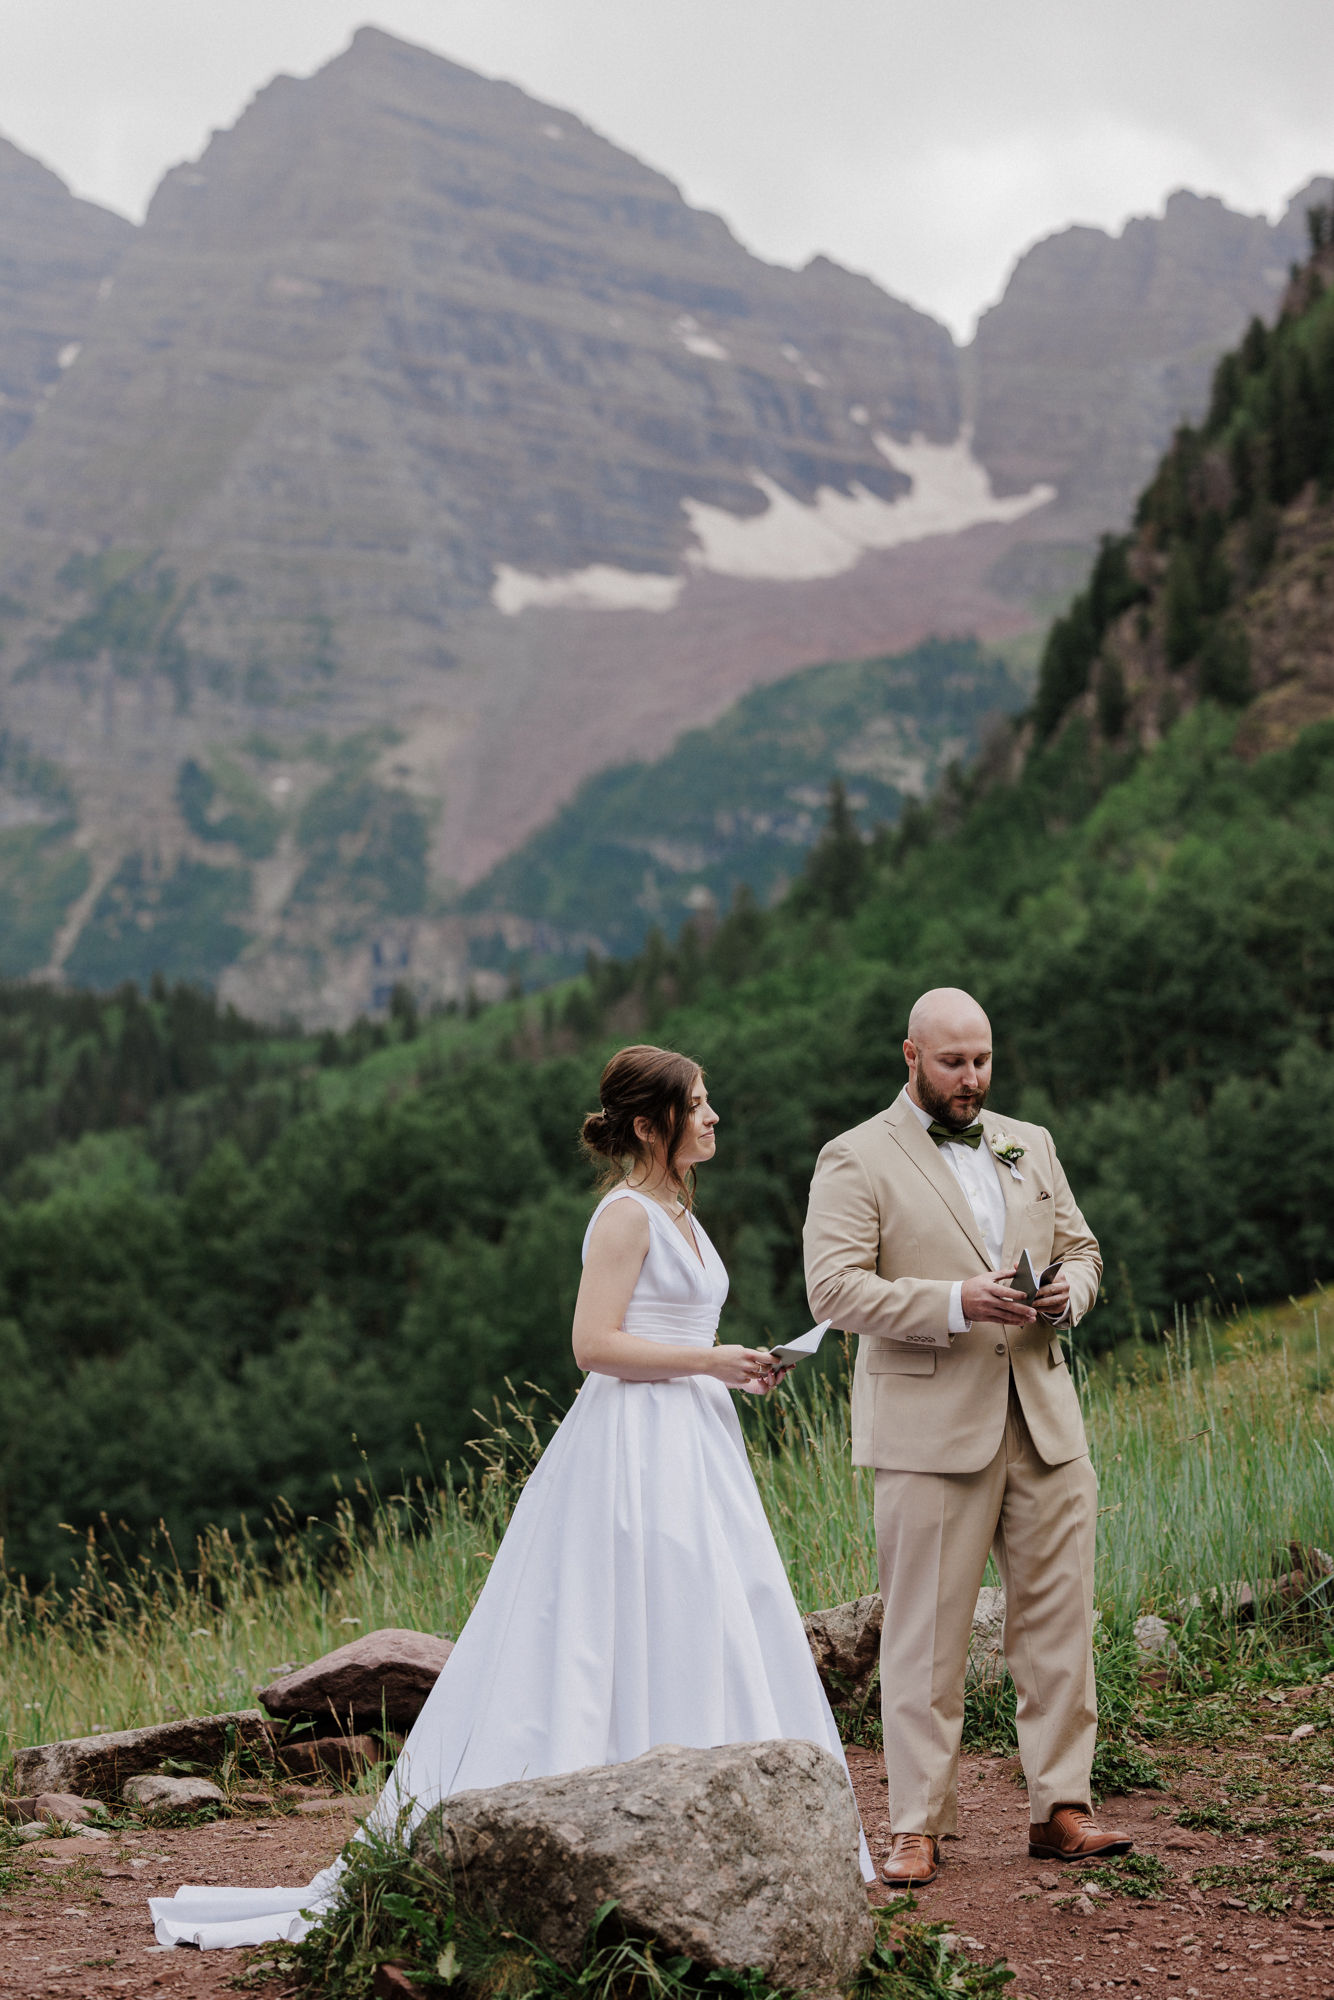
(616, 1254)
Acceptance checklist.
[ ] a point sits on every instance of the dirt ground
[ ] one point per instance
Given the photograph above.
(76, 1924)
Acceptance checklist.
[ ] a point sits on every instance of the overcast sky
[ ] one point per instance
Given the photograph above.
(927, 143)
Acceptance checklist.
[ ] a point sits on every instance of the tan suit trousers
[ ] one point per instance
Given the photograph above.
(933, 1532)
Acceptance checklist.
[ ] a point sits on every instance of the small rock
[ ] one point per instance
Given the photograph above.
(345, 1756)
(1325, 1854)
(748, 1858)
(319, 1805)
(391, 1982)
(92, 1833)
(1153, 1637)
(845, 1645)
(34, 1830)
(154, 1792)
(65, 1806)
(986, 1648)
(1302, 1730)
(255, 1801)
(1083, 1907)
(383, 1677)
(1048, 1881)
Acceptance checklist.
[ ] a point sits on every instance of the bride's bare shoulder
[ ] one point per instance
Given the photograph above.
(621, 1225)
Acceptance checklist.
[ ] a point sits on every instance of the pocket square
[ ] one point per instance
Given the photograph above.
(1042, 1195)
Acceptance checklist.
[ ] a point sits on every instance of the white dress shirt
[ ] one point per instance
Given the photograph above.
(978, 1173)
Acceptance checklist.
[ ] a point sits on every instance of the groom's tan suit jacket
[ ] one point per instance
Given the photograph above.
(888, 1231)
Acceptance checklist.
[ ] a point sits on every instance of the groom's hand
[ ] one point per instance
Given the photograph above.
(993, 1298)
(1053, 1301)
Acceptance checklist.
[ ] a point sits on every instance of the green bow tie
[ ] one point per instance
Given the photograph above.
(945, 1135)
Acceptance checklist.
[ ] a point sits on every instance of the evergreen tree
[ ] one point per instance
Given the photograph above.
(1181, 608)
(1225, 665)
(1113, 701)
(838, 864)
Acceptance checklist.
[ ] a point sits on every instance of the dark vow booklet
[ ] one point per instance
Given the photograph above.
(1027, 1280)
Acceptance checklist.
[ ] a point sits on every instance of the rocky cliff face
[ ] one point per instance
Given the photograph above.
(505, 342)
(56, 255)
(1102, 344)
(423, 455)
(1221, 593)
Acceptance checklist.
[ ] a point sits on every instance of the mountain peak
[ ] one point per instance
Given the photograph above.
(1102, 343)
(372, 48)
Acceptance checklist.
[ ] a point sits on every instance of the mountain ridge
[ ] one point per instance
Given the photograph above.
(423, 431)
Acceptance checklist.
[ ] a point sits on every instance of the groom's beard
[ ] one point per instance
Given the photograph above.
(958, 1109)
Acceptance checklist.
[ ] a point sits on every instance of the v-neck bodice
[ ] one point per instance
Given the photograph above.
(679, 1294)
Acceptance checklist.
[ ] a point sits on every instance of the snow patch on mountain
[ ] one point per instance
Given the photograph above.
(600, 587)
(793, 541)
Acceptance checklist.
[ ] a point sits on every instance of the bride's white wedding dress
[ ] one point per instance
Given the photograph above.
(637, 1598)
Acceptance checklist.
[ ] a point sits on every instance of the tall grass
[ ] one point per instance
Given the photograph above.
(1213, 1451)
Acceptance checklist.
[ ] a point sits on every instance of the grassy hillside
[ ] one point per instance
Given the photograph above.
(284, 1267)
(741, 802)
(1210, 1463)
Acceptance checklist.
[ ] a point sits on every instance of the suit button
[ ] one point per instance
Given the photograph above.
(1000, 1347)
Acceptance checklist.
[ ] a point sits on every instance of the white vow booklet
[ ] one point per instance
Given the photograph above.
(793, 1351)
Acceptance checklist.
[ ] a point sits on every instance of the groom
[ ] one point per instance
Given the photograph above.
(962, 1401)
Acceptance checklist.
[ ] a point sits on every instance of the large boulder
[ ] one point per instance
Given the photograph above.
(97, 1766)
(845, 1644)
(744, 1855)
(383, 1677)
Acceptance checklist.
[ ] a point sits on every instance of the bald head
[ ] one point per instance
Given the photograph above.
(948, 1053)
(946, 1013)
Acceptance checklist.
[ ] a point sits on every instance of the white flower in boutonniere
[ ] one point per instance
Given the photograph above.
(1008, 1151)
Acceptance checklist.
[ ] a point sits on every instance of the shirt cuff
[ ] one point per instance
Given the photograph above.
(956, 1322)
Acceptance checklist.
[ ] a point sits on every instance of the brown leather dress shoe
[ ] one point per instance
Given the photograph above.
(1070, 1835)
(913, 1860)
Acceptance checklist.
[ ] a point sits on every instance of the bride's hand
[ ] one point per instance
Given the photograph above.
(747, 1368)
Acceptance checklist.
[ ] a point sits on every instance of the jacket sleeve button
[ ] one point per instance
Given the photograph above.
(1000, 1347)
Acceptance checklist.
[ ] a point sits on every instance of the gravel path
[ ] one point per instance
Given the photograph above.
(74, 1923)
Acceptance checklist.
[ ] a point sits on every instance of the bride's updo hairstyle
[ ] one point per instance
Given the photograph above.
(649, 1083)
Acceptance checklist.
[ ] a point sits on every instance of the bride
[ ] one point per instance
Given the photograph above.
(637, 1597)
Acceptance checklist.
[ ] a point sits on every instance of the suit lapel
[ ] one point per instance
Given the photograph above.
(924, 1153)
(1016, 1201)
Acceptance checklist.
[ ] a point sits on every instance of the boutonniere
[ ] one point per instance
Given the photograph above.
(1008, 1151)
